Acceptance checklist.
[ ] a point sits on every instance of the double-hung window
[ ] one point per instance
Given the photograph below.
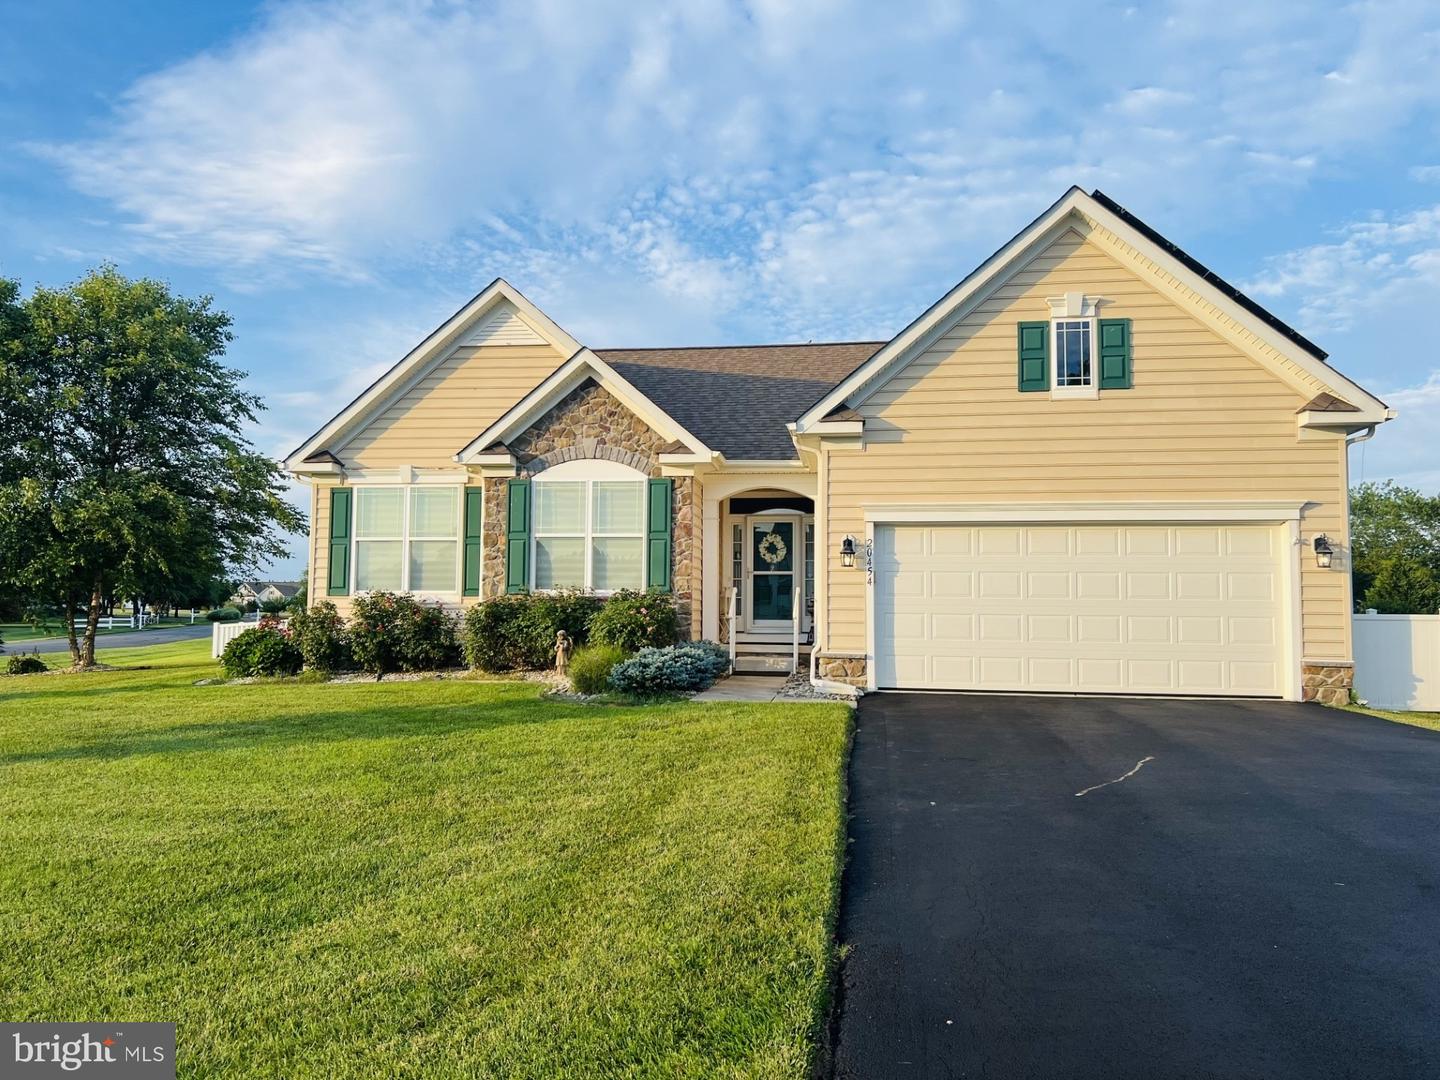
(407, 539)
(589, 527)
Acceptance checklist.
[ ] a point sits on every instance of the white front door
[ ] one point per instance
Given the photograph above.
(773, 561)
(1171, 609)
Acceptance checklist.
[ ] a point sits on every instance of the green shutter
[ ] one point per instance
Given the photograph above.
(474, 540)
(1034, 349)
(517, 536)
(1115, 354)
(339, 583)
(657, 536)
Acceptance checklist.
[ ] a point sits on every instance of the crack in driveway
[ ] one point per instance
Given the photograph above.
(1138, 765)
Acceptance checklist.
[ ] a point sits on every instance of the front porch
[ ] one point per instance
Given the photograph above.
(758, 595)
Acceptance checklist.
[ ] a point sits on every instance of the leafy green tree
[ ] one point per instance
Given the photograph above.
(127, 463)
(1402, 587)
(1395, 541)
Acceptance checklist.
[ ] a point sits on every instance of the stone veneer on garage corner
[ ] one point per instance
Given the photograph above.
(1329, 684)
(590, 423)
(850, 670)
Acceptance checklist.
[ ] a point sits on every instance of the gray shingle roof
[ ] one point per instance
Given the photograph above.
(739, 398)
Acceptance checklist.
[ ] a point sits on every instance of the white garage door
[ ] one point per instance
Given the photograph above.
(1181, 609)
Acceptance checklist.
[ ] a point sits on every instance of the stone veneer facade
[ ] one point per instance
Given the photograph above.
(848, 669)
(1329, 684)
(590, 423)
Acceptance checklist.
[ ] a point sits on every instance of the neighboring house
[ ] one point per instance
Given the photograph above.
(257, 592)
(1091, 466)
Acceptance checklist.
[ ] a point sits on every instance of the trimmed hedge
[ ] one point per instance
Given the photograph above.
(265, 650)
(636, 620)
(518, 631)
(390, 632)
(224, 614)
(322, 638)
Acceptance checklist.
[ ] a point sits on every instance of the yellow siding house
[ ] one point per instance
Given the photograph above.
(1091, 467)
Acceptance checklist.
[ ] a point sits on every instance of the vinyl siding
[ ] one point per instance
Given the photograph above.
(435, 417)
(1204, 421)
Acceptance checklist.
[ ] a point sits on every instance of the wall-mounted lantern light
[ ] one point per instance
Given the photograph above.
(1323, 551)
(847, 551)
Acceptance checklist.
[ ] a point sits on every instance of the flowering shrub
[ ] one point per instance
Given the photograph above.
(635, 620)
(518, 631)
(390, 632)
(678, 668)
(590, 668)
(322, 639)
(265, 650)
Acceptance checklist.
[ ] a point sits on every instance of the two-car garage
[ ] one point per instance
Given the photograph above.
(1086, 607)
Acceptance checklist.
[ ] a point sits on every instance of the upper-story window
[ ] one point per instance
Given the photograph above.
(1073, 351)
(407, 539)
(589, 527)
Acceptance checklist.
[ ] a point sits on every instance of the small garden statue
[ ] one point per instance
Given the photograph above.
(563, 648)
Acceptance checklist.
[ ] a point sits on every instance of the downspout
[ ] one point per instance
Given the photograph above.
(1364, 436)
(829, 686)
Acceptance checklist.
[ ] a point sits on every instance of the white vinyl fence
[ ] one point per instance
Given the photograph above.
(222, 633)
(1397, 661)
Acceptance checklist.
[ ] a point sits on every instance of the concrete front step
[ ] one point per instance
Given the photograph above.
(763, 664)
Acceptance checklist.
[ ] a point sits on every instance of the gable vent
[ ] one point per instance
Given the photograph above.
(502, 327)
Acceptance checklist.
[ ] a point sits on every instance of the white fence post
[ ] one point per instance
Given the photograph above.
(1397, 661)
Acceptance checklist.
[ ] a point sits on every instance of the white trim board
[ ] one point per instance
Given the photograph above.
(1078, 211)
(380, 394)
(941, 513)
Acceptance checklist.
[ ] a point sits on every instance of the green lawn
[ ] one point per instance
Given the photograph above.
(1416, 719)
(423, 879)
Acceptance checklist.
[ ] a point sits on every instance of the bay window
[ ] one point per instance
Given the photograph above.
(407, 539)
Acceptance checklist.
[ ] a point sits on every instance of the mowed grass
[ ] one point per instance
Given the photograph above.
(419, 879)
(1414, 719)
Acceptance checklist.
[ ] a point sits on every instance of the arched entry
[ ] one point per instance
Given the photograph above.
(760, 559)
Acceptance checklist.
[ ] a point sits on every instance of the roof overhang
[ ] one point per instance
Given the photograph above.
(1078, 208)
(583, 366)
(412, 366)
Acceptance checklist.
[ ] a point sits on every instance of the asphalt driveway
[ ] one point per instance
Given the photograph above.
(1261, 898)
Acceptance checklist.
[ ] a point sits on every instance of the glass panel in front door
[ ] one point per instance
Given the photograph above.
(772, 564)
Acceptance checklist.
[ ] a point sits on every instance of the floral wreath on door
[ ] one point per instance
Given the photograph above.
(772, 548)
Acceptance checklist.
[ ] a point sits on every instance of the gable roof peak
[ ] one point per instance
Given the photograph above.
(1272, 343)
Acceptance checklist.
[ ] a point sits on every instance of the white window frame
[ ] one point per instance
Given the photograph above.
(1074, 307)
(589, 473)
(405, 537)
(1089, 389)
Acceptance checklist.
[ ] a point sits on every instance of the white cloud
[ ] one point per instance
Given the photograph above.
(1404, 449)
(1366, 268)
(847, 167)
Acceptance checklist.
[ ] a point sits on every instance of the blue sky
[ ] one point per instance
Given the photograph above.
(343, 176)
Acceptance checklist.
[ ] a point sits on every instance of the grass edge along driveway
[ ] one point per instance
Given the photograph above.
(419, 879)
